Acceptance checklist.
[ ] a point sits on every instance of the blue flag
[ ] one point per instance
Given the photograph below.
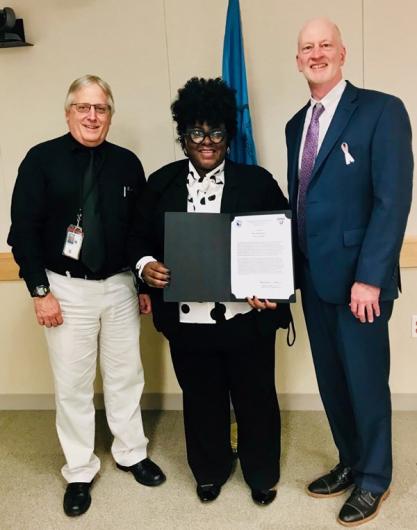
(242, 148)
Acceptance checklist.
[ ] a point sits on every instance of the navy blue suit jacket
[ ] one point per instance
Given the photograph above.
(356, 214)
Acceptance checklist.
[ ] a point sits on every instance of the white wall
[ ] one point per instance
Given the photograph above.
(146, 50)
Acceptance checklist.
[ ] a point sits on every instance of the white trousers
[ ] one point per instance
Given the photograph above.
(98, 316)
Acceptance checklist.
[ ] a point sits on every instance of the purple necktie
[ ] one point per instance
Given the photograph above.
(306, 169)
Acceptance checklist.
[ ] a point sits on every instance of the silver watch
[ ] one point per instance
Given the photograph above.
(40, 290)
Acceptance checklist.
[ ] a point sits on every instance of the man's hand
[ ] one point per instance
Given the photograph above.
(145, 304)
(155, 274)
(259, 304)
(364, 301)
(48, 311)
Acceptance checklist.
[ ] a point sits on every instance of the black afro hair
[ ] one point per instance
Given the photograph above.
(205, 100)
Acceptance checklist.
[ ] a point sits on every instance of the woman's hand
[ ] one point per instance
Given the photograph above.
(155, 274)
(145, 304)
(255, 303)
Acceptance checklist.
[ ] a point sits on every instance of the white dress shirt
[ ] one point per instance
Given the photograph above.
(330, 103)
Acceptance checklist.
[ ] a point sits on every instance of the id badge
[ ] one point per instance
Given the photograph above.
(73, 242)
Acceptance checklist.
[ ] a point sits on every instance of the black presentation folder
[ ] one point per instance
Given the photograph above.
(197, 253)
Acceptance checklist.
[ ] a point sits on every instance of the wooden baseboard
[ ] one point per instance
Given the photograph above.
(9, 271)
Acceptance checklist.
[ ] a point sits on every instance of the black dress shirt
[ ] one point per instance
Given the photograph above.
(47, 198)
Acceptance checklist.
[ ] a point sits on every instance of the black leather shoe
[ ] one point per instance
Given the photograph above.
(334, 483)
(77, 498)
(208, 492)
(146, 472)
(263, 497)
(361, 507)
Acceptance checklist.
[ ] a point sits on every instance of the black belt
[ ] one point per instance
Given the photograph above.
(89, 275)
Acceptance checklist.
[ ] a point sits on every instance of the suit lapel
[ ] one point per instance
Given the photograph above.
(231, 185)
(295, 140)
(179, 193)
(346, 107)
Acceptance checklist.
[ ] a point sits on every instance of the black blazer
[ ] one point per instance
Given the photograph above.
(247, 189)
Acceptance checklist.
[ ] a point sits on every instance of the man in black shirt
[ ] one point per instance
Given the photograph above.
(73, 209)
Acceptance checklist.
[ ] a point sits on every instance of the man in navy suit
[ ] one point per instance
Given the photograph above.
(350, 169)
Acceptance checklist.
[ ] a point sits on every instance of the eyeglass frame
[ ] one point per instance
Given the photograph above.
(94, 105)
(206, 134)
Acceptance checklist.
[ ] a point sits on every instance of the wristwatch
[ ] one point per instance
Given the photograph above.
(40, 290)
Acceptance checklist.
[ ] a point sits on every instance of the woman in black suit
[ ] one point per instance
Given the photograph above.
(220, 351)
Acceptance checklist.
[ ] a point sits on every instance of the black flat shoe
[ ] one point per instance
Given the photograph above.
(333, 483)
(77, 498)
(146, 472)
(208, 492)
(361, 507)
(263, 497)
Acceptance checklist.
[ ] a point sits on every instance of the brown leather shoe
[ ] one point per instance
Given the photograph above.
(334, 483)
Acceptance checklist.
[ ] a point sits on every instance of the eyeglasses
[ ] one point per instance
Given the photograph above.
(84, 108)
(198, 136)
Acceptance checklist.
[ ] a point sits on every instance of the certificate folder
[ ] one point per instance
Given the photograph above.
(198, 253)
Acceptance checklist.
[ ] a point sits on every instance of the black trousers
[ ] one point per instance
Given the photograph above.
(216, 362)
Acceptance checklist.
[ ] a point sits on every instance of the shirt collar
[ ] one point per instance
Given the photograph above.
(331, 97)
(216, 174)
(75, 145)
